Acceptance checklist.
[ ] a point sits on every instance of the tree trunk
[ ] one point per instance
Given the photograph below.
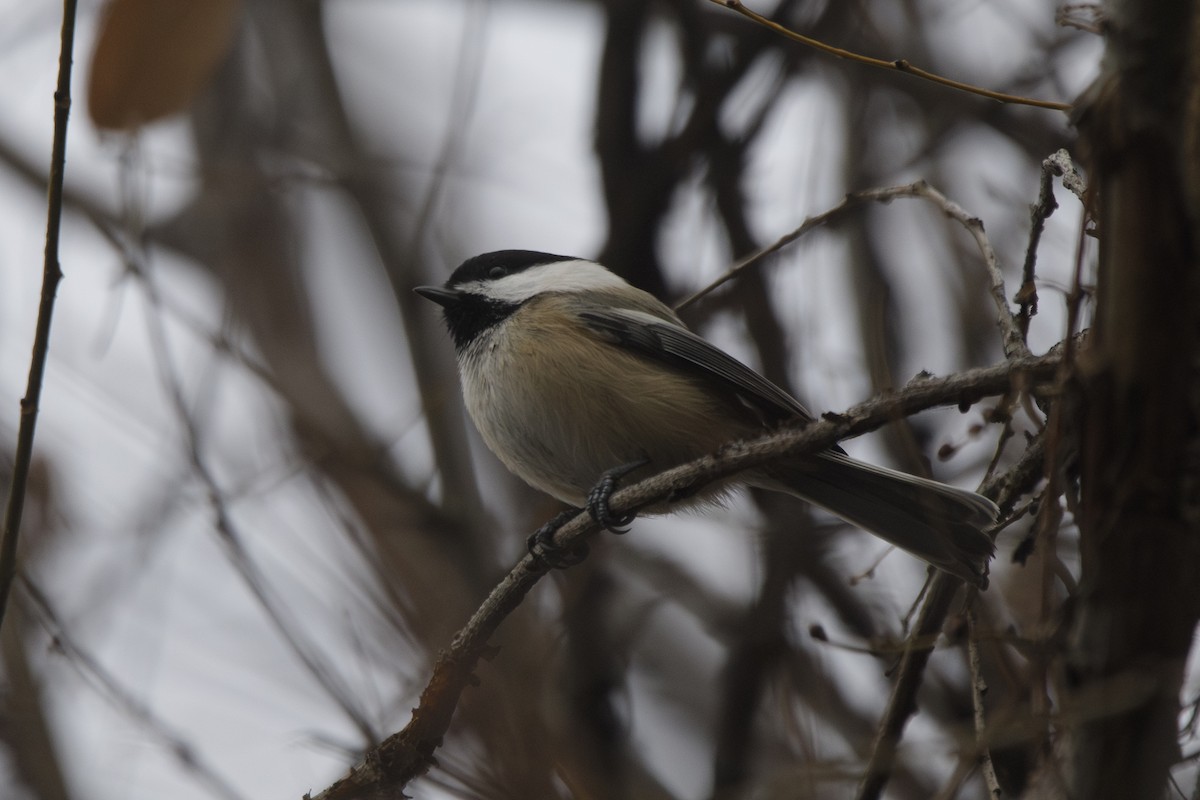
(1140, 548)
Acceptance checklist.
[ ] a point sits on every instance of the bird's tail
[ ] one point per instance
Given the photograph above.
(940, 524)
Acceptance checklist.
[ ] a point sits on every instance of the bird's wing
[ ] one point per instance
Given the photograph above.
(676, 346)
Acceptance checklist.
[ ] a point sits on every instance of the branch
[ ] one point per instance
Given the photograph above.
(51, 275)
(408, 754)
(1010, 331)
(978, 690)
(850, 201)
(899, 64)
(1059, 164)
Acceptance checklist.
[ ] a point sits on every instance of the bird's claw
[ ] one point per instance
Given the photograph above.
(601, 493)
(541, 544)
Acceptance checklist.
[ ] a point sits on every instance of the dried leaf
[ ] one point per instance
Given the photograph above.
(152, 57)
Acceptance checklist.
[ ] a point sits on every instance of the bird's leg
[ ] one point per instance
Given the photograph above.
(542, 547)
(598, 497)
(541, 543)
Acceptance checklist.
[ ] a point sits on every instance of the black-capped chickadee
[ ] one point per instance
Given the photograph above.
(569, 372)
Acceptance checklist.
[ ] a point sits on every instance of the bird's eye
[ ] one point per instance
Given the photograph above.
(496, 272)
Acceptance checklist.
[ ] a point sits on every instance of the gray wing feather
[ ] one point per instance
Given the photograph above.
(675, 345)
(939, 523)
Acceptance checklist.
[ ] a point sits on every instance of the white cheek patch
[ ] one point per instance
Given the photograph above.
(560, 276)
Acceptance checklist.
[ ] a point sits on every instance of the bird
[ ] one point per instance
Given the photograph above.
(574, 377)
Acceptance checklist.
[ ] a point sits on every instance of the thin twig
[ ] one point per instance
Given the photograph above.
(1059, 164)
(811, 223)
(906, 620)
(1027, 296)
(1056, 423)
(900, 65)
(408, 754)
(978, 690)
(1013, 342)
(51, 275)
(902, 703)
(1065, 169)
(1006, 433)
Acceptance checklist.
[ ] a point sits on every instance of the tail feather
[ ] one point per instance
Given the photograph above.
(940, 524)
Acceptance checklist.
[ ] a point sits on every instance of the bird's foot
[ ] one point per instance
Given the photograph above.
(601, 493)
(542, 546)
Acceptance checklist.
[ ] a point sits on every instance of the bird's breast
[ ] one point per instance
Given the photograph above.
(559, 406)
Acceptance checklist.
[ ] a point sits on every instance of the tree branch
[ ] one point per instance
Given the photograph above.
(899, 64)
(51, 275)
(408, 754)
(978, 690)
(1134, 618)
(1059, 164)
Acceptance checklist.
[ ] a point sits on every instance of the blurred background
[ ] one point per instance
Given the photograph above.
(258, 510)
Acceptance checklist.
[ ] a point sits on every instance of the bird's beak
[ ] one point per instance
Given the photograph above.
(443, 297)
